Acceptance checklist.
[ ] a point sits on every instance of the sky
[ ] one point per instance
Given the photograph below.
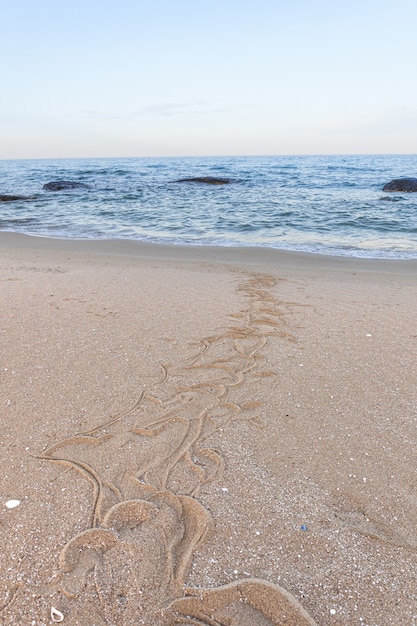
(100, 78)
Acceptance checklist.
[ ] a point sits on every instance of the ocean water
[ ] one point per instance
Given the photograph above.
(323, 204)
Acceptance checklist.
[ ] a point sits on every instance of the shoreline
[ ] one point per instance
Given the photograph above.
(219, 254)
(206, 431)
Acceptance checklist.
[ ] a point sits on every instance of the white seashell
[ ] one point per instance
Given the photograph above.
(56, 616)
(11, 504)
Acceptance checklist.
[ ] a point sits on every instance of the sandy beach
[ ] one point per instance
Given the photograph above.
(206, 436)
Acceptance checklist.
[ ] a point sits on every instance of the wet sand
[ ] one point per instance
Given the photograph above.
(206, 436)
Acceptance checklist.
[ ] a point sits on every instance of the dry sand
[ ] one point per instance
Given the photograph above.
(196, 436)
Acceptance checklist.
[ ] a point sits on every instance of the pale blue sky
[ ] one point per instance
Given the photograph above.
(97, 78)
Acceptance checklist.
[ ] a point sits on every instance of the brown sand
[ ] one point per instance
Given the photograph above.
(220, 437)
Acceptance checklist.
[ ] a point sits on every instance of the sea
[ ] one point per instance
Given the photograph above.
(331, 205)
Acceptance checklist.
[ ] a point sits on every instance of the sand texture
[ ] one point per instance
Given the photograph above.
(206, 437)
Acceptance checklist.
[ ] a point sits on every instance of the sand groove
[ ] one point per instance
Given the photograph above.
(146, 466)
(354, 514)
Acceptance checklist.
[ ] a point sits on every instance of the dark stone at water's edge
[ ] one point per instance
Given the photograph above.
(58, 185)
(408, 185)
(207, 180)
(9, 198)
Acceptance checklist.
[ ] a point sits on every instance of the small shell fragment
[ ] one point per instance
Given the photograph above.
(56, 616)
(11, 504)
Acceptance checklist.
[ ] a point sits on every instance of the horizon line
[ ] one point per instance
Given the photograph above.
(211, 156)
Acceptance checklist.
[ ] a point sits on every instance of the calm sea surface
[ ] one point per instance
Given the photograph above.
(332, 205)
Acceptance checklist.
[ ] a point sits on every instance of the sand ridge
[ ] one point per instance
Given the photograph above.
(146, 467)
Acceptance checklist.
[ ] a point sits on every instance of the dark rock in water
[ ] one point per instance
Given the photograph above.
(58, 185)
(207, 180)
(407, 185)
(390, 198)
(7, 198)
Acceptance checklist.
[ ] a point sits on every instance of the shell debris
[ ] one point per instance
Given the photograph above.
(56, 616)
(12, 504)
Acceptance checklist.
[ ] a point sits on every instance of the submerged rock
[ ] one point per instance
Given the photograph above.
(408, 185)
(390, 198)
(10, 198)
(58, 185)
(207, 180)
